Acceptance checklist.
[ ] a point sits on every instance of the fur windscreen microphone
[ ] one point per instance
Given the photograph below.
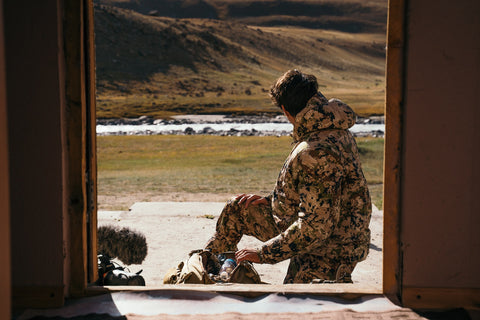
(127, 245)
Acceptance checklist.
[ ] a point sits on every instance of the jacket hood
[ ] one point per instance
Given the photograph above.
(320, 114)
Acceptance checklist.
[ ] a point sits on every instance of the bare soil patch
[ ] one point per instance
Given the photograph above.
(173, 231)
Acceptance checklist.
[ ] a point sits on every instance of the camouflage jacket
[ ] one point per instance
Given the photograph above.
(321, 200)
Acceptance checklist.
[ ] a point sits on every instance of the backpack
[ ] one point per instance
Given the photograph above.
(202, 267)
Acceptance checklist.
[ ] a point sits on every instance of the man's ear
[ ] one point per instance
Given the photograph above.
(288, 115)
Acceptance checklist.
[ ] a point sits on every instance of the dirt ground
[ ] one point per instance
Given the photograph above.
(176, 224)
(125, 201)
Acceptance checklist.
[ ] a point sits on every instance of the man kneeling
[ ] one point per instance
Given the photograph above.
(319, 211)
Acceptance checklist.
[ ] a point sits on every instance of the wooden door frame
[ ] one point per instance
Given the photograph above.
(80, 89)
(80, 120)
(392, 172)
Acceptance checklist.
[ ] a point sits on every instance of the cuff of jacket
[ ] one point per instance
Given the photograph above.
(266, 256)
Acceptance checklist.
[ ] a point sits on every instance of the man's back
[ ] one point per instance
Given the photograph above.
(323, 180)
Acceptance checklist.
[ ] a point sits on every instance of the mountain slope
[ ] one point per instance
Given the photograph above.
(161, 66)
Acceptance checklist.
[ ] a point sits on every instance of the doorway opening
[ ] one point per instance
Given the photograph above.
(141, 94)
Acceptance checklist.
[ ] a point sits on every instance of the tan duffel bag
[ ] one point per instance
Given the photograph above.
(202, 267)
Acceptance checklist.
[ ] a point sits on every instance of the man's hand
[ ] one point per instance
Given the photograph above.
(248, 255)
(251, 199)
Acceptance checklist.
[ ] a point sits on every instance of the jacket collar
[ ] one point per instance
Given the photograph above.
(321, 114)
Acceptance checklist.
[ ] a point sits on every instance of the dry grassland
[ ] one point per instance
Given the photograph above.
(202, 168)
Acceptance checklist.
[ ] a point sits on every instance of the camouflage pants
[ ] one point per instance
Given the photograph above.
(312, 268)
(236, 220)
(258, 221)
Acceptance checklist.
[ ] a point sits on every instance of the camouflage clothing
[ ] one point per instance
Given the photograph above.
(320, 209)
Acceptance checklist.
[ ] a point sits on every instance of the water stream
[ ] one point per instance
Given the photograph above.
(221, 129)
(222, 125)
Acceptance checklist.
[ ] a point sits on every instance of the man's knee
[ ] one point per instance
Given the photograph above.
(232, 206)
(232, 211)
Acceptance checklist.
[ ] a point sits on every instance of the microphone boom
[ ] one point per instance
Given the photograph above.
(127, 245)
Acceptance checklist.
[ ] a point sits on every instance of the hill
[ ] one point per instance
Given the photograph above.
(342, 15)
(222, 56)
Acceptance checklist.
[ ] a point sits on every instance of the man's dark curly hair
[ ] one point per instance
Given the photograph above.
(293, 90)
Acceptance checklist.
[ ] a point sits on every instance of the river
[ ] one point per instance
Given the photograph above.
(218, 125)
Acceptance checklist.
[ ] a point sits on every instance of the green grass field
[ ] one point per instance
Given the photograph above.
(153, 165)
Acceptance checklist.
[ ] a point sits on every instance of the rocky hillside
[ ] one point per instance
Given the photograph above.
(168, 57)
